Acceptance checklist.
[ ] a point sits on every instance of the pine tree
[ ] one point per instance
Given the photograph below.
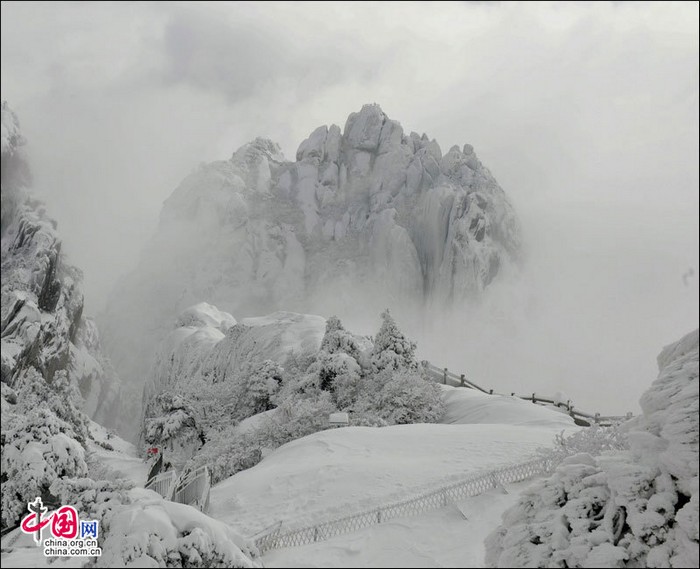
(338, 339)
(392, 350)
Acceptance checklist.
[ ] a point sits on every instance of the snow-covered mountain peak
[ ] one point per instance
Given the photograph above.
(366, 218)
(258, 147)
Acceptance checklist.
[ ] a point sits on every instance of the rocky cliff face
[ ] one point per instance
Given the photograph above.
(41, 315)
(365, 218)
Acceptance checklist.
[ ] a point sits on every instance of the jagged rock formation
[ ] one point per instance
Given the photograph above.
(41, 315)
(366, 218)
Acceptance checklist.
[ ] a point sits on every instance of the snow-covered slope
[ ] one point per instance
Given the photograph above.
(137, 526)
(469, 406)
(440, 538)
(342, 471)
(42, 321)
(367, 217)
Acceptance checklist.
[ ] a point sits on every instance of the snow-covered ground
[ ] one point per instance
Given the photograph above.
(472, 406)
(343, 471)
(339, 472)
(123, 460)
(19, 549)
(449, 537)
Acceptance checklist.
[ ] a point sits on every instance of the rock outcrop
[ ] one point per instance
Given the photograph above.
(41, 316)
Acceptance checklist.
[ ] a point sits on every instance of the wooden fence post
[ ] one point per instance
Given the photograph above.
(533, 397)
(444, 376)
(461, 377)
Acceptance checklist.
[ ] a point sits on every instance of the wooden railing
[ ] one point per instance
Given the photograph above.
(446, 377)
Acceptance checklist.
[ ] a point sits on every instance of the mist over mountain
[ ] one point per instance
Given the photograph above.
(367, 217)
(44, 329)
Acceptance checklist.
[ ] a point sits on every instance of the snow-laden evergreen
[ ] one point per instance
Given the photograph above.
(392, 350)
(619, 508)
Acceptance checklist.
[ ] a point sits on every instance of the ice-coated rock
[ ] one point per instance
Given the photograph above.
(203, 315)
(41, 313)
(208, 344)
(363, 219)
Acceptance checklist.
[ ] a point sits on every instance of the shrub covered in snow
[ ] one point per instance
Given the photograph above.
(138, 528)
(337, 372)
(379, 384)
(622, 508)
(182, 422)
(152, 532)
(174, 429)
(60, 396)
(43, 437)
(592, 440)
(338, 339)
(259, 382)
(231, 451)
(94, 499)
(407, 398)
(37, 449)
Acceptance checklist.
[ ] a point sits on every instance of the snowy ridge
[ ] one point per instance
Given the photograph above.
(368, 217)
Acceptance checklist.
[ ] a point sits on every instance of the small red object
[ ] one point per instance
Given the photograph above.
(153, 450)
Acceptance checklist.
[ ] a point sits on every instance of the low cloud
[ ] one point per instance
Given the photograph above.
(587, 114)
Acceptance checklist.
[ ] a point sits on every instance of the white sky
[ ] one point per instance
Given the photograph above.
(586, 113)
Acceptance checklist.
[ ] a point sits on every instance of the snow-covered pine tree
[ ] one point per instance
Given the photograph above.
(392, 350)
(174, 430)
(338, 339)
